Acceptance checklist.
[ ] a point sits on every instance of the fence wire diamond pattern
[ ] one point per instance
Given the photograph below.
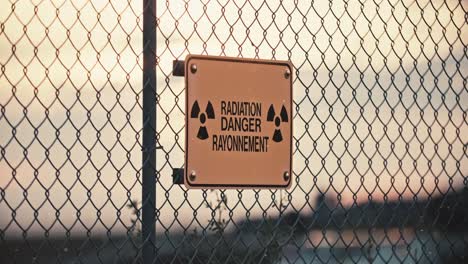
(380, 132)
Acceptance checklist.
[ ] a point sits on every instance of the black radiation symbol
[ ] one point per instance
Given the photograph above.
(195, 113)
(283, 117)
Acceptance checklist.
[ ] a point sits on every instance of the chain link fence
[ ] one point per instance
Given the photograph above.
(380, 132)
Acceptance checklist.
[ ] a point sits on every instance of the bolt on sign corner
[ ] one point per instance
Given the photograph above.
(238, 123)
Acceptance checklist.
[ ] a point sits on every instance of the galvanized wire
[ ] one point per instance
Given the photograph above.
(380, 132)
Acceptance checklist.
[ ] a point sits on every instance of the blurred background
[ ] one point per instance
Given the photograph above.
(380, 132)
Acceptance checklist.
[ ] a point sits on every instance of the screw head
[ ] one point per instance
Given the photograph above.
(193, 176)
(286, 176)
(287, 74)
(193, 68)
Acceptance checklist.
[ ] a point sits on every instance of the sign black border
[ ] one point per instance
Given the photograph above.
(236, 60)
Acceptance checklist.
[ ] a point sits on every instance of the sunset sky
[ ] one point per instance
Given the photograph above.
(396, 70)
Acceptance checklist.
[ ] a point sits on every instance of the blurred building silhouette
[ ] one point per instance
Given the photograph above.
(447, 212)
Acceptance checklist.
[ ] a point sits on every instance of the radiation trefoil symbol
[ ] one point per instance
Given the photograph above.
(196, 113)
(283, 117)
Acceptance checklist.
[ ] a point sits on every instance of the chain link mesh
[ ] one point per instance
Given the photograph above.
(380, 133)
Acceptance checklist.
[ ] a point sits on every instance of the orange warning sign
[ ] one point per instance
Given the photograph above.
(238, 123)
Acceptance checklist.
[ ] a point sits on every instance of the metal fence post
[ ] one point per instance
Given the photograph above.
(149, 132)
